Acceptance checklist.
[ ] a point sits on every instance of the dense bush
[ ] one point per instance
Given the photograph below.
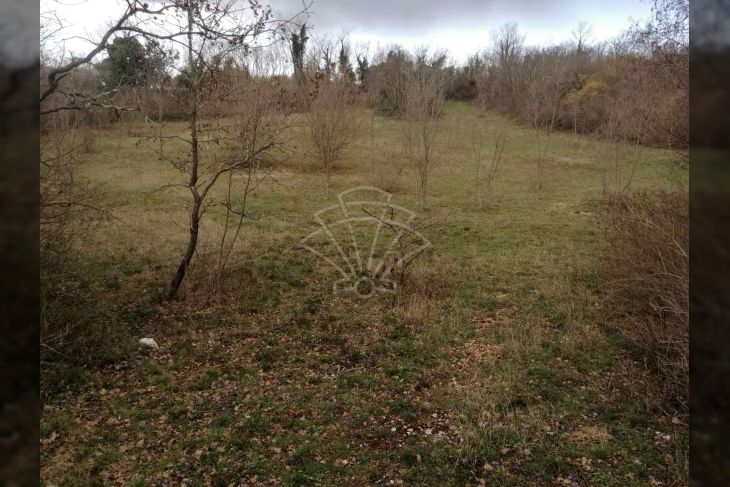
(388, 81)
(632, 88)
(646, 278)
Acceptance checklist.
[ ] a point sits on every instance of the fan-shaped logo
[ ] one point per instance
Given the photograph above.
(366, 239)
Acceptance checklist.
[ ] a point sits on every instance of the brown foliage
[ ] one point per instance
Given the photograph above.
(632, 88)
(333, 120)
(646, 276)
(388, 81)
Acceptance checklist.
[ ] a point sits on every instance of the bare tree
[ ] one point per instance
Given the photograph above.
(205, 31)
(363, 65)
(508, 43)
(64, 134)
(323, 56)
(547, 83)
(333, 121)
(484, 175)
(386, 165)
(55, 80)
(576, 84)
(581, 37)
(506, 54)
(424, 102)
(625, 150)
(665, 41)
(224, 26)
(258, 121)
(581, 34)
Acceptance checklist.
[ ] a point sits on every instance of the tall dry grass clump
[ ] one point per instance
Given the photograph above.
(646, 276)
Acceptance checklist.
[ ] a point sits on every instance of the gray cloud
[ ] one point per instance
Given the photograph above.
(463, 26)
(414, 17)
(460, 26)
(18, 32)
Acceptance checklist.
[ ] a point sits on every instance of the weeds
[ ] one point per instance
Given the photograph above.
(646, 277)
(486, 365)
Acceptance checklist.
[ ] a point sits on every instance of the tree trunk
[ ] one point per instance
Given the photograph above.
(192, 183)
(194, 212)
(424, 186)
(159, 123)
(182, 269)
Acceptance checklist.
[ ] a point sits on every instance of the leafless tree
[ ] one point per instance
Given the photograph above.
(508, 44)
(424, 102)
(548, 82)
(322, 57)
(333, 120)
(362, 70)
(386, 165)
(625, 150)
(55, 81)
(484, 175)
(63, 136)
(664, 39)
(204, 31)
(576, 85)
(581, 34)
(221, 26)
(258, 121)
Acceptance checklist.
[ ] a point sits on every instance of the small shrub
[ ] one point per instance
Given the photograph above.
(81, 330)
(333, 121)
(646, 276)
(88, 140)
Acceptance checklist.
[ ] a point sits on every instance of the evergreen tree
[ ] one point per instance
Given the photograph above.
(126, 62)
(298, 48)
(362, 69)
(345, 68)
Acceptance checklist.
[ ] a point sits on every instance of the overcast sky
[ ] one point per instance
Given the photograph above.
(460, 26)
(464, 26)
(18, 32)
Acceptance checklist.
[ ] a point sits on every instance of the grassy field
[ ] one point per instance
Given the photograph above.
(490, 366)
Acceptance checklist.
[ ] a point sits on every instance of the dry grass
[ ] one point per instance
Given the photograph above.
(646, 275)
(489, 354)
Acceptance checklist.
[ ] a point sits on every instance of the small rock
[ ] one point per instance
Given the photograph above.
(149, 342)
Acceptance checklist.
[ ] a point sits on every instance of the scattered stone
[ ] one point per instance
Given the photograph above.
(149, 342)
